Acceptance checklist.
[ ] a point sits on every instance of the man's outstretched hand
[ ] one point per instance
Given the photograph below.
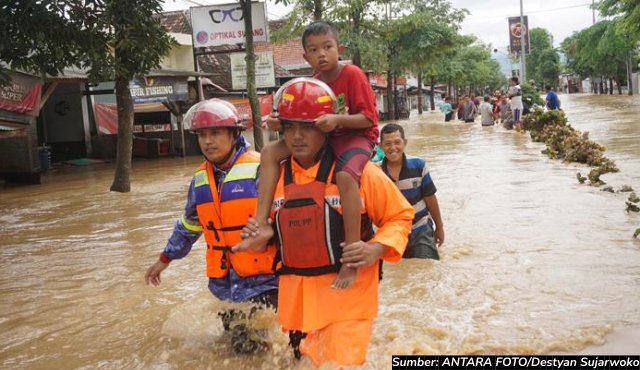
(153, 273)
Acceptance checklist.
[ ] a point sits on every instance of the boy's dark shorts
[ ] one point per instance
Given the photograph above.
(422, 245)
(352, 152)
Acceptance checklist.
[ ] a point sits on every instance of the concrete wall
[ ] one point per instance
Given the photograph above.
(180, 57)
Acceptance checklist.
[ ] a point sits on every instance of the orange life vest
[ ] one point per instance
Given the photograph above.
(224, 212)
(309, 229)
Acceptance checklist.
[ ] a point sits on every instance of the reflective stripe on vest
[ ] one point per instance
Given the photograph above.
(224, 212)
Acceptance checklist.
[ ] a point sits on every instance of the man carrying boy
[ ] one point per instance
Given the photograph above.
(353, 134)
(308, 219)
(515, 94)
(412, 177)
(222, 196)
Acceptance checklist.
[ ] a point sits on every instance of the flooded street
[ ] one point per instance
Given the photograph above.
(533, 261)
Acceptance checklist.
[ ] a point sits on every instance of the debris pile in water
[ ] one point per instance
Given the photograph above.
(632, 203)
(566, 143)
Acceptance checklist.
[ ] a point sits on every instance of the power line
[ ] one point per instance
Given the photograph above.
(535, 12)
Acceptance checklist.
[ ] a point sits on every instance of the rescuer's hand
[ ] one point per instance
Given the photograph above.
(250, 229)
(361, 254)
(254, 236)
(274, 123)
(153, 273)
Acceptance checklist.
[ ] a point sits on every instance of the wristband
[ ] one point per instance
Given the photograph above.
(164, 258)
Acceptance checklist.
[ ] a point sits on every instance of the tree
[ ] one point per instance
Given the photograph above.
(258, 139)
(628, 23)
(116, 39)
(543, 63)
(43, 40)
(425, 34)
(138, 42)
(627, 10)
(601, 52)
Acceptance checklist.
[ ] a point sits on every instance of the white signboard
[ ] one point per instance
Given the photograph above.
(223, 24)
(265, 73)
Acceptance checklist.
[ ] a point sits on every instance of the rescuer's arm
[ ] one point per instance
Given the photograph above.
(389, 210)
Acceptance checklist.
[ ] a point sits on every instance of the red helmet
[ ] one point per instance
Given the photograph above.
(212, 113)
(304, 100)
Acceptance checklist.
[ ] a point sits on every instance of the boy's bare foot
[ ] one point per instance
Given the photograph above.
(345, 278)
(256, 241)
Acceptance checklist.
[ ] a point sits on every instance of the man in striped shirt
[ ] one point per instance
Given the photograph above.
(411, 176)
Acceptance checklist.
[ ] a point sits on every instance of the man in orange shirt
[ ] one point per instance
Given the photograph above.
(307, 215)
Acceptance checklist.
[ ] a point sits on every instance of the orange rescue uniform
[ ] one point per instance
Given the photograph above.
(338, 322)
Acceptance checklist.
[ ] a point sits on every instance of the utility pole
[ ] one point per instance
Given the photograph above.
(523, 65)
(593, 11)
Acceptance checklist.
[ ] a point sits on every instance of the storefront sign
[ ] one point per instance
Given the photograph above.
(265, 72)
(159, 89)
(21, 95)
(223, 24)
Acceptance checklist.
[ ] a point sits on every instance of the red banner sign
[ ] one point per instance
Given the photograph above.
(21, 95)
(107, 113)
(244, 108)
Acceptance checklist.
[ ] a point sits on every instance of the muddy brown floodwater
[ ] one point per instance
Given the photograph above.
(533, 261)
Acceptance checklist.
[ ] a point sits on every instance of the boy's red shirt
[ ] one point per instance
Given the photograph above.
(354, 93)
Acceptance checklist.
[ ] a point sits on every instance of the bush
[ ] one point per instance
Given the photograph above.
(530, 95)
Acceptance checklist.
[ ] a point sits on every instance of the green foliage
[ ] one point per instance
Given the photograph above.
(636, 233)
(138, 39)
(581, 179)
(44, 37)
(530, 95)
(403, 36)
(543, 63)
(628, 12)
(110, 37)
(600, 50)
(469, 66)
(566, 143)
(594, 177)
(538, 119)
(632, 203)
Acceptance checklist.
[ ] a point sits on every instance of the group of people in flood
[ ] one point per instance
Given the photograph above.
(504, 107)
(304, 226)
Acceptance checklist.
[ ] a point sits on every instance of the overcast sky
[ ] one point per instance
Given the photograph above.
(488, 18)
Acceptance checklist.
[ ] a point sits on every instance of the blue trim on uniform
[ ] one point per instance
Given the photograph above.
(203, 194)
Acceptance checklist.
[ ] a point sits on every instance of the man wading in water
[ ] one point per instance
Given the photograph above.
(307, 215)
(222, 196)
